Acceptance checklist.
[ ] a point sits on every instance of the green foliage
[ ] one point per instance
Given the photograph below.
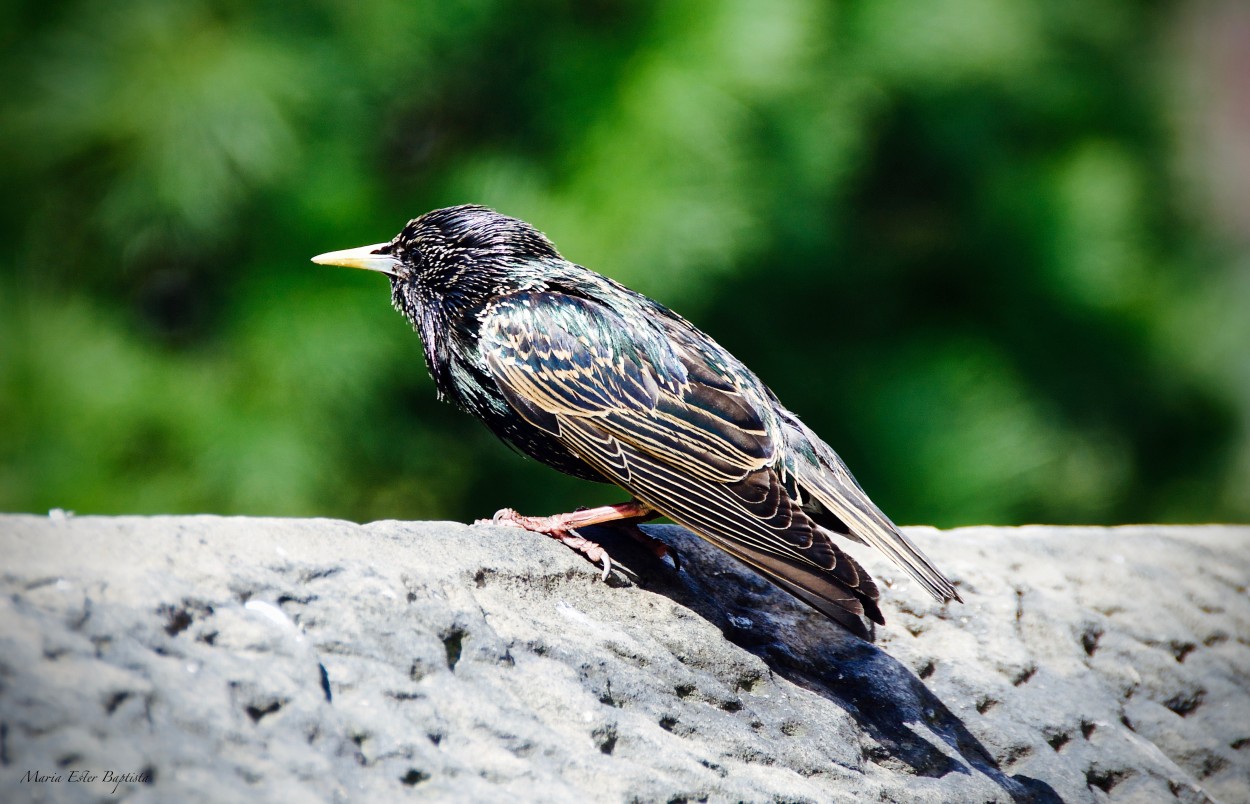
(945, 233)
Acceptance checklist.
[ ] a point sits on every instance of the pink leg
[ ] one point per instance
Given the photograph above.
(561, 527)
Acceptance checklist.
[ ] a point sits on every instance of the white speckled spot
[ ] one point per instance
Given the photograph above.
(270, 612)
(573, 614)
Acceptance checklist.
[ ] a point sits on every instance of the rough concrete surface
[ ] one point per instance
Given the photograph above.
(238, 659)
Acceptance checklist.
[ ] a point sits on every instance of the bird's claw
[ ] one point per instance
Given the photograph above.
(674, 554)
(507, 517)
(592, 550)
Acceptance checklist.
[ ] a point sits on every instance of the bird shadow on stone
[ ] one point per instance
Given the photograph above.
(888, 702)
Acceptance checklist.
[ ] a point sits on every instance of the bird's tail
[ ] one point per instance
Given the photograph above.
(828, 482)
(872, 527)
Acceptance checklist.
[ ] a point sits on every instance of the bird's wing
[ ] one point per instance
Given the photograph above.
(667, 420)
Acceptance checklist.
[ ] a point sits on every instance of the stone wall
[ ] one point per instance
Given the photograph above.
(229, 659)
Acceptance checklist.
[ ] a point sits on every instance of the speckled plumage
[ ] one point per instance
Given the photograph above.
(600, 382)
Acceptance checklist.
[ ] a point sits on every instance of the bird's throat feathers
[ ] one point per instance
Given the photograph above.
(445, 311)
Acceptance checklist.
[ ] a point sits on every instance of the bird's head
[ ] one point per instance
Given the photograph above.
(449, 246)
(446, 266)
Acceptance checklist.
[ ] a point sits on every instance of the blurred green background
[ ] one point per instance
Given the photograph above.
(994, 251)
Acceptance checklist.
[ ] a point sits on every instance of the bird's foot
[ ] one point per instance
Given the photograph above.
(563, 528)
(558, 528)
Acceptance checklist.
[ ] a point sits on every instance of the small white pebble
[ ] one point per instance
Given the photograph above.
(59, 514)
(270, 612)
(572, 613)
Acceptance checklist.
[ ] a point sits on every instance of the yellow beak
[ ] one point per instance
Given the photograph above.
(365, 257)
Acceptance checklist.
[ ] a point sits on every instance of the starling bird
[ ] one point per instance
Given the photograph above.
(602, 383)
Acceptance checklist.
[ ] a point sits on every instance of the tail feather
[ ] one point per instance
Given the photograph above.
(827, 481)
(876, 529)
